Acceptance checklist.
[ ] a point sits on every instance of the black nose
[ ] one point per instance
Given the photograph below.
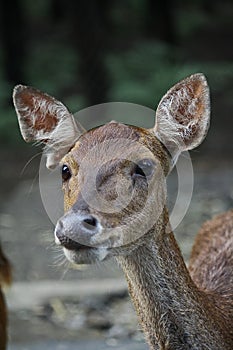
(89, 223)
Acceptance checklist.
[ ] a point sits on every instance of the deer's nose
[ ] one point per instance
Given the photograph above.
(76, 227)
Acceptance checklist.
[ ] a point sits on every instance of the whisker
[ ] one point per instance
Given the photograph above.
(29, 161)
(65, 271)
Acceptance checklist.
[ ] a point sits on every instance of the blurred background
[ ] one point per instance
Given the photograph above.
(86, 53)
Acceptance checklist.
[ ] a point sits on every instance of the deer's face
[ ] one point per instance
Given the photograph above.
(113, 182)
(113, 176)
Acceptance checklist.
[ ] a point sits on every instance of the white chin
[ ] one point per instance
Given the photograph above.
(86, 256)
(69, 254)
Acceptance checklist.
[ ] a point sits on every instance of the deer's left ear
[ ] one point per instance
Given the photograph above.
(44, 119)
(182, 117)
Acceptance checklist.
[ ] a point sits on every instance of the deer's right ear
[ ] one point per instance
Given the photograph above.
(44, 119)
(182, 117)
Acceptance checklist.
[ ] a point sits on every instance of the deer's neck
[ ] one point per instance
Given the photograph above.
(173, 313)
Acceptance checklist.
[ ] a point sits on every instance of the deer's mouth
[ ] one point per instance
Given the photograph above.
(82, 252)
(78, 253)
(70, 244)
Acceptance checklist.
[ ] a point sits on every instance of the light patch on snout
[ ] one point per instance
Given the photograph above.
(57, 241)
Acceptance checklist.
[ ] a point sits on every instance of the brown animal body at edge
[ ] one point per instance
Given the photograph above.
(5, 279)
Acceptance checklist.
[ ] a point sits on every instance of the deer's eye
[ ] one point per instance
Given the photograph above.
(65, 172)
(144, 168)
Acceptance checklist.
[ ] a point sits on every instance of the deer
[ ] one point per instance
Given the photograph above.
(5, 279)
(114, 184)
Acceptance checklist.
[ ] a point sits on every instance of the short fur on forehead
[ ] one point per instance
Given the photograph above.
(44, 119)
(182, 117)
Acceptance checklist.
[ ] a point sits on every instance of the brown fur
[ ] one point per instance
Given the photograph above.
(98, 136)
(5, 278)
(211, 263)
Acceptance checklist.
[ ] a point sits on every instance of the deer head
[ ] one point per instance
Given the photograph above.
(113, 175)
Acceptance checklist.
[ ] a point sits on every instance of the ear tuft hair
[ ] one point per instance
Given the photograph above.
(182, 117)
(44, 119)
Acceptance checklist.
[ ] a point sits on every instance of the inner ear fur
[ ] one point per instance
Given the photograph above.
(182, 116)
(44, 119)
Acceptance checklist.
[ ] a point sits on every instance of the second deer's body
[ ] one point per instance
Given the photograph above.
(5, 278)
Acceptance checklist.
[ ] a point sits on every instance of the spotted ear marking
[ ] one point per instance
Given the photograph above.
(182, 116)
(44, 119)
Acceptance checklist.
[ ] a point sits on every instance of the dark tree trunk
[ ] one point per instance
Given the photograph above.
(57, 10)
(160, 20)
(13, 40)
(208, 6)
(89, 35)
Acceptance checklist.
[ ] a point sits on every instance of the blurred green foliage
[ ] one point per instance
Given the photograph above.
(144, 74)
(140, 69)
